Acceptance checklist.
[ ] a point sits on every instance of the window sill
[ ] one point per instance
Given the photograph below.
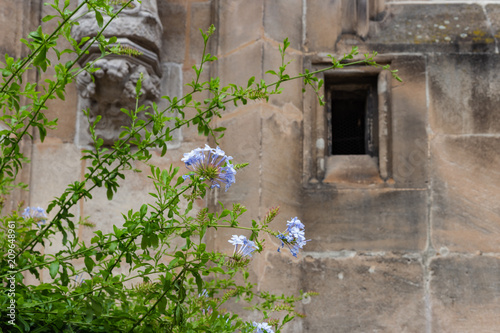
(352, 169)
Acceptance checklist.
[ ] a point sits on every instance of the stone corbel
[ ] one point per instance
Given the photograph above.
(358, 14)
(112, 87)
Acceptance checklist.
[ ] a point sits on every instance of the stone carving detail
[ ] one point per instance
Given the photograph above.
(112, 87)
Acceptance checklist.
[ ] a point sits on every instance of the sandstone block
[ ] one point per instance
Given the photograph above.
(238, 67)
(432, 28)
(12, 24)
(173, 18)
(240, 22)
(409, 142)
(464, 101)
(55, 165)
(373, 220)
(323, 25)
(465, 294)
(282, 179)
(105, 213)
(364, 294)
(292, 90)
(492, 12)
(200, 19)
(283, 19)
(242, 141)
(66, 113)
(465, 214)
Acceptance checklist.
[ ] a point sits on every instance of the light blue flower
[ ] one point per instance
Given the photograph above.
(262, 328)
(294, 237)
(79, 280)
(211, 164)
(242, 246)
(37, 214)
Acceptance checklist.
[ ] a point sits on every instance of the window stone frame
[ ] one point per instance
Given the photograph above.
(322, 168)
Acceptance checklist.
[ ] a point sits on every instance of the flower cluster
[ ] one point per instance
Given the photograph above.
(262, 328)
(37, 214)
(211, 164)
(294, 237)
(242, 246)
(204, 294)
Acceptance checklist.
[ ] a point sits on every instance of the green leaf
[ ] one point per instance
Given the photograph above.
(48, 18)
(53, 269)
(250, 81)
(199, 281)
(109, 193)
(41, 59)
(96, 307)
(98, 18)
(217, 270)
(89, 264)
(60, 94)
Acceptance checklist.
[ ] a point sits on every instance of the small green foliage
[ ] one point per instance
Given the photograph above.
(240, 166)
(125, 50)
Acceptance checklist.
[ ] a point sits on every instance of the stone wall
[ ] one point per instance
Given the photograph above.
(414, 248)
(417, 250)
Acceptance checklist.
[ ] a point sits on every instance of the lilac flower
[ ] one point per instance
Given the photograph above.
(211, 164)
(294, 236)
(247, 246)
(204, 294)
(262, 328)
(37, 214)
(79, 280)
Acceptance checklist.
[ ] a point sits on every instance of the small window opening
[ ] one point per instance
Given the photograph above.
(352, 116)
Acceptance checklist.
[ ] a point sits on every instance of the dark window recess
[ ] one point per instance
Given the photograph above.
(352, 117)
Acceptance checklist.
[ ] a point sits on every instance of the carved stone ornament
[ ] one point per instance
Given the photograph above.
(112, 87)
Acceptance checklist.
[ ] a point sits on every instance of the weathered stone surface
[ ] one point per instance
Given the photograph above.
(173, 18)
(283, 19)
(13, 27)
(323, 24)
(281, 183)
(238, 67)
(432, 28)
(55, 165)
(492, 12)
(171, 85)
(465, 294)
(363, 294)
(188, 75)
(242, 141)
(374, 220)
(278, 272)
(464, 101)
(465, 214)
(292, 90)
(240, 22)
(409, 120)
(200, 19)
(64, 111)
(105, 213)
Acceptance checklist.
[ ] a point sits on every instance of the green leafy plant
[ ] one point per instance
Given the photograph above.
(172, 283)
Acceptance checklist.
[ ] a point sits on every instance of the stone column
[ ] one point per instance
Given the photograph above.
(112, 87)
